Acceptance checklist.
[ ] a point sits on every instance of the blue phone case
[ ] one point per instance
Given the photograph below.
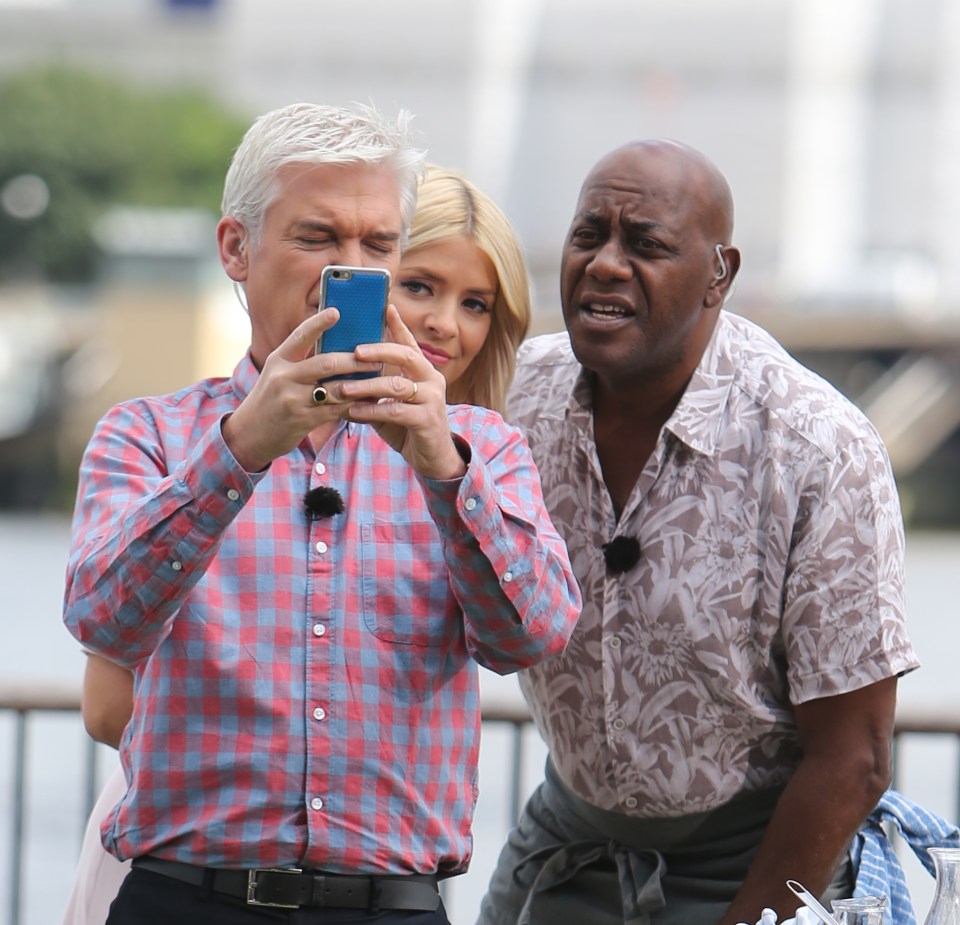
(360, 295)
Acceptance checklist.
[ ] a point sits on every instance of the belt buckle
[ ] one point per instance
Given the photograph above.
(252, 885)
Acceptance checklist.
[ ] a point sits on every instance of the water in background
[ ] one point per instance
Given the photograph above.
(38, 649)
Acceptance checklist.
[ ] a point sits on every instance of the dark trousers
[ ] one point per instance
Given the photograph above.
(148, 898)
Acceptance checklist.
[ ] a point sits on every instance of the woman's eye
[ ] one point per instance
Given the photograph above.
(415, 286)
(476, 305)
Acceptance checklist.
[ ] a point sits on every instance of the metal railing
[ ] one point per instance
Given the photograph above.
(24, 700)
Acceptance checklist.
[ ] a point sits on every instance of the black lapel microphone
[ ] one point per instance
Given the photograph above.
(322, 502)
(621, 554)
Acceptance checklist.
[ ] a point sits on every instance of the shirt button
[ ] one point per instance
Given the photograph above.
(319, 713)
(615, 642)
(233, 494)
(630, 802)
(321, 547)
(619, 724)
(316, 803)
(320, 468)
(319, 629)
(470, 503)
(176, 565)
(507, 576)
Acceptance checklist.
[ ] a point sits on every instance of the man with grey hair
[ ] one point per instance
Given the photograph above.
(302, 577)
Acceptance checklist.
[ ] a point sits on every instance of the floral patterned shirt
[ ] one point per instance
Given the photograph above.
(770, 574)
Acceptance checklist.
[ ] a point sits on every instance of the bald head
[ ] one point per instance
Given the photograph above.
(685, 175)
(646, 266)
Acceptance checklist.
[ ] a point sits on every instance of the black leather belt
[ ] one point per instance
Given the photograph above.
(292, 887)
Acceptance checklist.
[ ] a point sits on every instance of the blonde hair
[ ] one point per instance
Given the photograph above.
(450, 206)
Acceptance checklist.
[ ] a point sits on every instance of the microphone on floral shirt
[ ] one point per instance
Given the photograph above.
(621, 554)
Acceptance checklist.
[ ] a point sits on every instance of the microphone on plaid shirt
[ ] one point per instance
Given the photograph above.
(322, 502)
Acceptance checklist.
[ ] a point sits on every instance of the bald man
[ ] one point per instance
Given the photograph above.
(722, 720)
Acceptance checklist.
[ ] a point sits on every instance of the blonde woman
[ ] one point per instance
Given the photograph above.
(463, 282)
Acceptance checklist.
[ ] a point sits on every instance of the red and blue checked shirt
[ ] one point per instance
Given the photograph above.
(306, 692)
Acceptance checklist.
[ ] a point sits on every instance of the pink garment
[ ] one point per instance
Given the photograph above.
(99, 874)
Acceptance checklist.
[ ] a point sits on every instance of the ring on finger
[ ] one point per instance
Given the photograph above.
(320, 395)
(413, 394)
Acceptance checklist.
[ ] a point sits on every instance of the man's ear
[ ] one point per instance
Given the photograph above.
(727, 259)
(232, 243)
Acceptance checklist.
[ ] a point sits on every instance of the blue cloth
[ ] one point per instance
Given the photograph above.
(878, 869)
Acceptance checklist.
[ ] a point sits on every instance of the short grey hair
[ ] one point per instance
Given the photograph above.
(309, 133)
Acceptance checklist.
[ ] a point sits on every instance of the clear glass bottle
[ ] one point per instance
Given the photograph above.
(861, 910)
(945, 908)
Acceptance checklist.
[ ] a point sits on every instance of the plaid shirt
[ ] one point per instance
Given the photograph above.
(306, 692)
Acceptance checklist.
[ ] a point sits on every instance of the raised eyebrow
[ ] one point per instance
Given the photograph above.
(485, 293)
(591, 218)
(645, 227)
(417, 272)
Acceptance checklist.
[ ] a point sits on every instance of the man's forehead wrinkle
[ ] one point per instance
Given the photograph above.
(629, 192)
(639, 208)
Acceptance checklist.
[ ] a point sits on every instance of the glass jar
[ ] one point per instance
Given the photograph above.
(945, 908)
(861, 910)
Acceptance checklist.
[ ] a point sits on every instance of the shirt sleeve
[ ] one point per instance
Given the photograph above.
(508, 567)
(843, 622)
(143, 535)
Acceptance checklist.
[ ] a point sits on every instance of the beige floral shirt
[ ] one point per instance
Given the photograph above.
(771, 573)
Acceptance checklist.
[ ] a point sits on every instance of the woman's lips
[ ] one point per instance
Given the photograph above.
(436, 356)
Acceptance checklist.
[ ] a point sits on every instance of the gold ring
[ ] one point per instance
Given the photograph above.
(413, 395)
(320, 395)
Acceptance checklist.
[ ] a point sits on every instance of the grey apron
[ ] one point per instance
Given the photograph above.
(569, 862)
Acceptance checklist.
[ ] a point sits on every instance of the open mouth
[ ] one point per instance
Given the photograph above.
(605, 312)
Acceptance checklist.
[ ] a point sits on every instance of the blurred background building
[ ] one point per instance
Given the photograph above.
(838, 125)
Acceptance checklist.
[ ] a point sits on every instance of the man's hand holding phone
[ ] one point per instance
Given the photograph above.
(280, 409)
(330, 367)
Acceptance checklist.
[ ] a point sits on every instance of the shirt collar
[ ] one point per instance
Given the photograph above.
(245, 376)
(698, 417)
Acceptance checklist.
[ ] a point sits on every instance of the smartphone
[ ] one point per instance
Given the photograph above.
(360, 295)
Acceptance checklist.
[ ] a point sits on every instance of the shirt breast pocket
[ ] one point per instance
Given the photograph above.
(405, 594)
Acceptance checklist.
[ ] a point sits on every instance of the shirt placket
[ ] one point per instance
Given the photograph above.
(619, 603)
(325, 536)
